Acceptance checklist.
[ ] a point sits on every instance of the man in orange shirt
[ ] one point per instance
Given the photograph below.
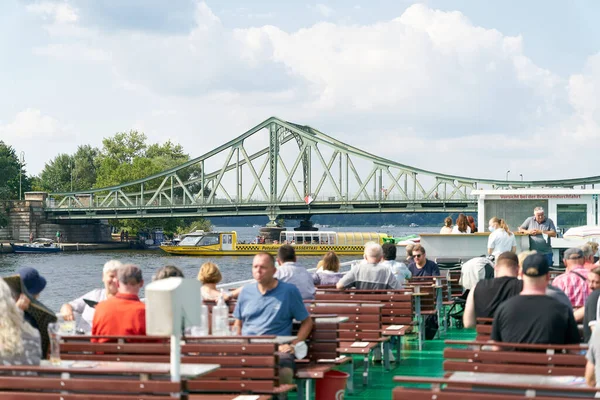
(123, 314)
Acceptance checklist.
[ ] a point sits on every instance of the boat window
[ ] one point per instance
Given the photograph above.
(570, 215)
(190, 241)
(209, 240)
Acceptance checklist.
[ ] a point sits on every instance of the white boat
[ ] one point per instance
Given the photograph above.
(319, 226)
(388, 226)
(413, 225)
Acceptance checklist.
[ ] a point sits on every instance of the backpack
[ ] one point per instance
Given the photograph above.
(431, 326)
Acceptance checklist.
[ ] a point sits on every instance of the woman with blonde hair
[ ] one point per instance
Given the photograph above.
(461, 224)
(501, 238)
(20, 343)
(328, 274)
(210, 276)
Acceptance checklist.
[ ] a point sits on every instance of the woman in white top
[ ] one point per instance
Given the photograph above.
(461, 225)
(501, 239)
(20, 343)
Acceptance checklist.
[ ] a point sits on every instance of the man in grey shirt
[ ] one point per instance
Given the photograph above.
(289, 272)
(370, 274)
(536, 227)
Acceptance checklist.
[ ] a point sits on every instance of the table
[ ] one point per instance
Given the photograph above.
(277, 339)
(557, 382)
(119, 367)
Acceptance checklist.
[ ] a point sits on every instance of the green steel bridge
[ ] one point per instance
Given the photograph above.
(284, 170)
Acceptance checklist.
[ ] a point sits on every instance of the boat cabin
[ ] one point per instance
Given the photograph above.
(566, 207)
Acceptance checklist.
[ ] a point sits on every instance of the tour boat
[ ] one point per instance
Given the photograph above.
(39, 245)
(315, 243)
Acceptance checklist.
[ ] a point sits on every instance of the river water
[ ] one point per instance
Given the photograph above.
(72, 274)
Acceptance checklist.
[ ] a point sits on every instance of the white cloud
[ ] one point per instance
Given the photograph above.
(59, 13)
(32, 124)
(447, 94)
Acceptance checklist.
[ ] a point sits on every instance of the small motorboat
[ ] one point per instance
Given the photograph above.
(40, 245)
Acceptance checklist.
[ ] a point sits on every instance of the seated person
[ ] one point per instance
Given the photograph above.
(82, 312)
(369, 274)
(475, 270)
(591, 309)
(123, 314)
(210, 276)
(328, 270)
(35, 284)
(421, 266)
(288, 271)
(592, 368)
(485, 297)
(399, 269)
(168, 271)
(20, 343)
(533, 317)
(269, 307)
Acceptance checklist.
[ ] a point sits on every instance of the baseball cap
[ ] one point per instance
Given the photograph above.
(573, 253)
(536, 265)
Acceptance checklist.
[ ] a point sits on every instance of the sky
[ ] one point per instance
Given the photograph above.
(468, 88)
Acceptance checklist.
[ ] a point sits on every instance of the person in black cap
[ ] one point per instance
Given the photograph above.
(533, 317)
(34, 283)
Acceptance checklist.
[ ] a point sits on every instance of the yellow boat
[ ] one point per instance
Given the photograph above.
(314, 243)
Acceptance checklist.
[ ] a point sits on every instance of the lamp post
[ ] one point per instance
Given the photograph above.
(507, 172)
(71, 169)
(21, 164)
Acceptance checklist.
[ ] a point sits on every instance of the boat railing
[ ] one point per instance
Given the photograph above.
(344, 267)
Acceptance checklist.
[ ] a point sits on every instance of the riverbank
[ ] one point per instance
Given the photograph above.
(5, 246)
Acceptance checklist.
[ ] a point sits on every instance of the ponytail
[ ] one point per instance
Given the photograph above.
(504, 226)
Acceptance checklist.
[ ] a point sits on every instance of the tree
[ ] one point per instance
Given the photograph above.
(56, 175)
(126, 157)
(12, 170)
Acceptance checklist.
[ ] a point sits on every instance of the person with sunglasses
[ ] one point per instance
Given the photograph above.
(421, 266)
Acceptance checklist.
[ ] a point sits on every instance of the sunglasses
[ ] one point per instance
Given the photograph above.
(417, 255)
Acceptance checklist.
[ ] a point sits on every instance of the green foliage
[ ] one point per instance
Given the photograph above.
(127, 157)
(64, 171)
(198, 224)
(11, 170)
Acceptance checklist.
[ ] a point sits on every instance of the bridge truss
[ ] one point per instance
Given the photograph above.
(283, 170)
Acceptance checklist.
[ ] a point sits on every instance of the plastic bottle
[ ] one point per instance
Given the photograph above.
(202, 329)
(220, 318)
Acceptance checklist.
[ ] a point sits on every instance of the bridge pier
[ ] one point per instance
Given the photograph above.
(28, 216)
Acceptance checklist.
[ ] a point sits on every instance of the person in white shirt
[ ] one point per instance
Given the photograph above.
(400, 270)
(461, 224)
(80, 311)
(501, 238)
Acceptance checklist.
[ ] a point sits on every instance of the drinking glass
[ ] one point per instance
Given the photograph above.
(54, 335)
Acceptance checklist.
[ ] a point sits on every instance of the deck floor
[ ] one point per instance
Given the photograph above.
(427, 362)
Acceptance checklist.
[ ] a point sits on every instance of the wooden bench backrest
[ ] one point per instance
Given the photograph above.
(398, 307)
(34, 383)
(484, 329)
(245, 366)
(515, 362)
(364, 318)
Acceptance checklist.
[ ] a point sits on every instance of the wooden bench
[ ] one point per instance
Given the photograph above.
(397, 309)
(364, 325)
(533, 359)
(246, 367)
(40, 383)
(484, 329)
(323, 355)
(455, 389)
